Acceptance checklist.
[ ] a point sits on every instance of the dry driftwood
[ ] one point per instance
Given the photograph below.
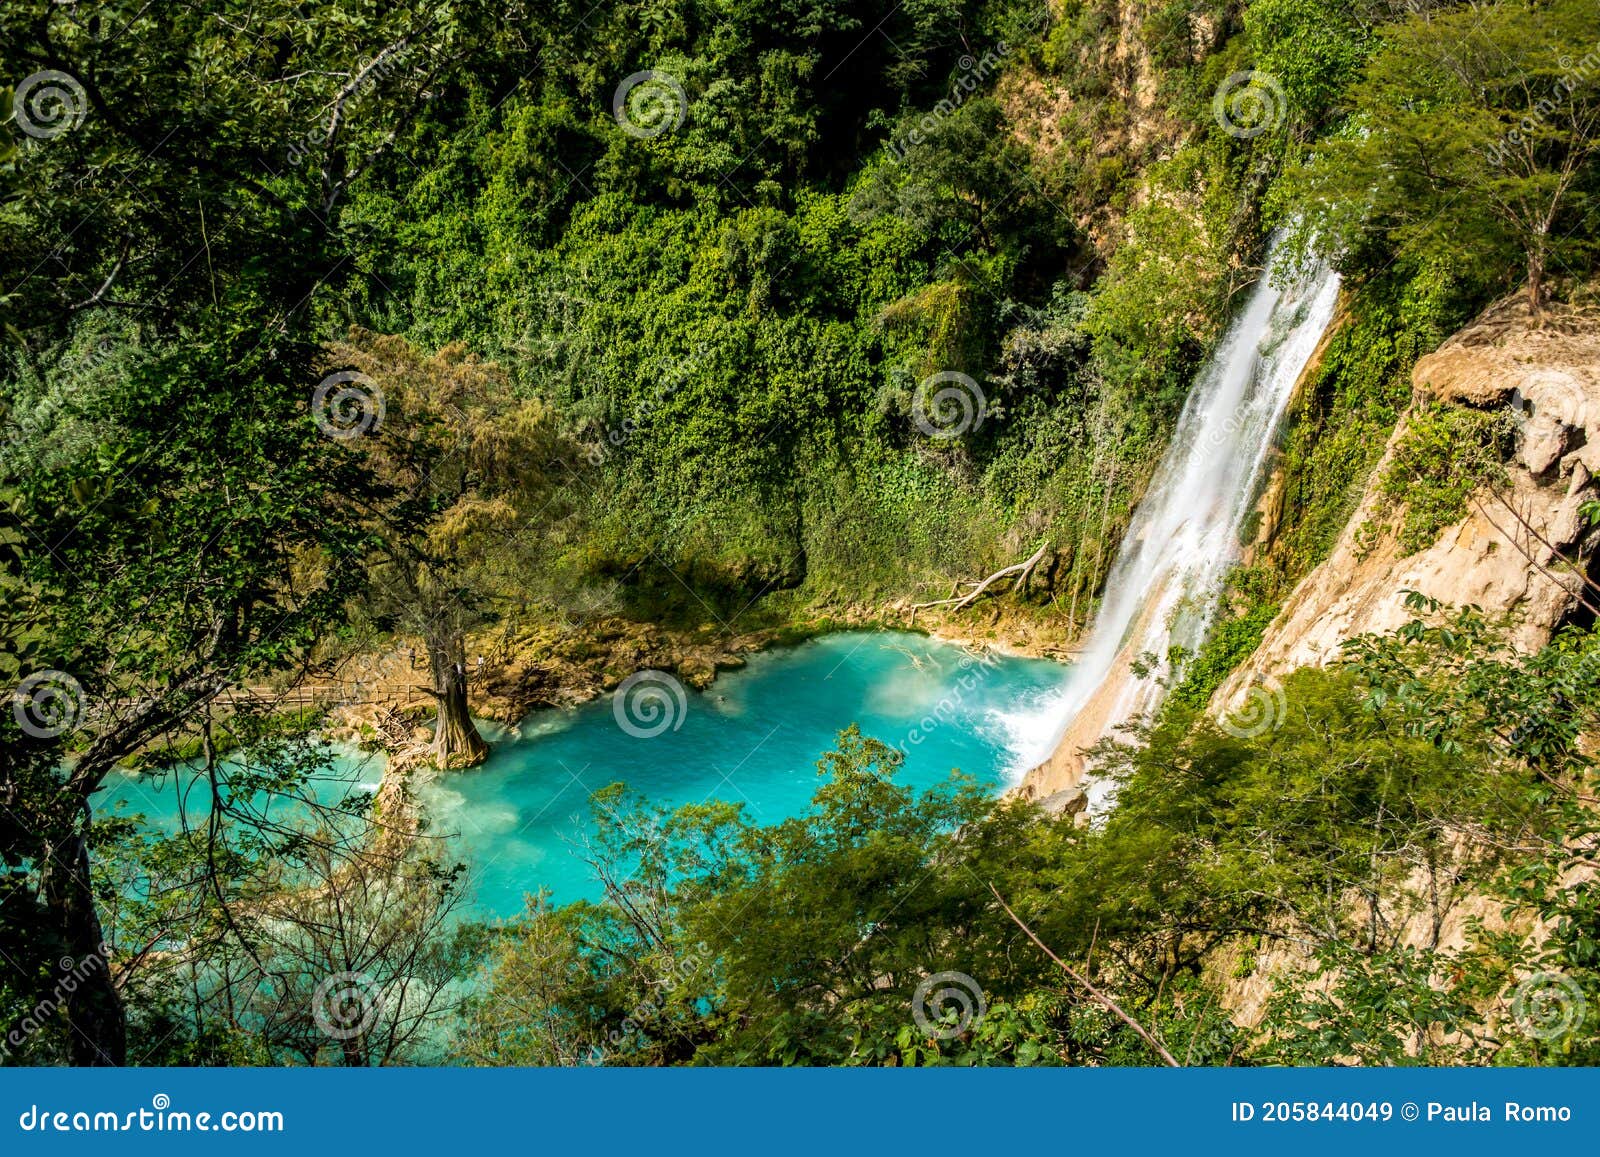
(1023, 570)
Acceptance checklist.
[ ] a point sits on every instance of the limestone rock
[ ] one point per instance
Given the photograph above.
(1069, 801)
(1506, 554)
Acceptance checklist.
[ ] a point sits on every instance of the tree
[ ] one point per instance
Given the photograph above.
(1472, 137)
(192, 547)
(365, 952)
(471, 474)
(959, 174)
(284, 930)
(177, 524)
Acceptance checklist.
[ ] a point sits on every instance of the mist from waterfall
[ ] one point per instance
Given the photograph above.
(1164, 587)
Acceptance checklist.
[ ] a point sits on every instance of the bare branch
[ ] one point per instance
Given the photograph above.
(1113, 1006)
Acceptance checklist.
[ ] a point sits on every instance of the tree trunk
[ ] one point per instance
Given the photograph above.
(97, 1023)
(456, 742)
(1536, 280)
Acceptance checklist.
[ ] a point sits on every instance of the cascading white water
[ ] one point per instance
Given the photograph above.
(1164, 587)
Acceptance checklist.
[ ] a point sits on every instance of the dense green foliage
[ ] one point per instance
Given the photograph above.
(1384, 799)
(1470, 144)
(738, 321)
(1445, 454)
(723, 297)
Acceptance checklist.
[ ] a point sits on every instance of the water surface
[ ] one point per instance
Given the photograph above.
(754, 738)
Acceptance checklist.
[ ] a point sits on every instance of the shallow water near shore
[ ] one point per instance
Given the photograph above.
(754, 738)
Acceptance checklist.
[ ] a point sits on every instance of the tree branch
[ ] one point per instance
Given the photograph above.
(1116, 1009)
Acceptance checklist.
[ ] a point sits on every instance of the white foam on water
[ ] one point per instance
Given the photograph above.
(1026, 731)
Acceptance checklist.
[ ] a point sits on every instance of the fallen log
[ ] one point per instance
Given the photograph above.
(1023, 570)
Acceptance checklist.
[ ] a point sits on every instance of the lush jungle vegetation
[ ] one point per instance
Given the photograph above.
(330, 323)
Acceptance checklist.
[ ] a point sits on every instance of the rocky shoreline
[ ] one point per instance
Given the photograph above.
(517, 673)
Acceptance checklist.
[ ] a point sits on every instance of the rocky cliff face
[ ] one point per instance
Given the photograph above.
(1523, 548)
(1520, 553)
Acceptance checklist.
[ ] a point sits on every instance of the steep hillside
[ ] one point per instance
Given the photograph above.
(1520, 547)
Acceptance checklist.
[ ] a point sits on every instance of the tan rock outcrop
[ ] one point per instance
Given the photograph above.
(1510, 554)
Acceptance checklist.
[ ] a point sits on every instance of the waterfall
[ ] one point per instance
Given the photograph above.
(1163, 589)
